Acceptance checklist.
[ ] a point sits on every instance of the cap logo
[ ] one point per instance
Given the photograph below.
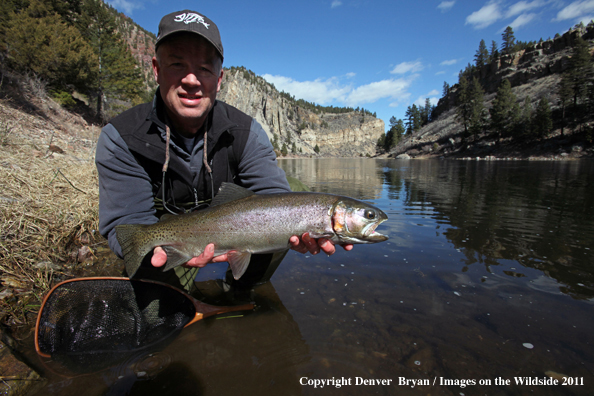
(191, 17)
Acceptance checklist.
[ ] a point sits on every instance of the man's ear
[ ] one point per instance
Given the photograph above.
(156, 68)
(220, 79)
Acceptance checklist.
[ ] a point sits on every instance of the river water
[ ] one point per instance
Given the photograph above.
(486, 286)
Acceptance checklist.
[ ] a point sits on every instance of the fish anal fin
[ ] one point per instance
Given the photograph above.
(238, 261)
(175, 257)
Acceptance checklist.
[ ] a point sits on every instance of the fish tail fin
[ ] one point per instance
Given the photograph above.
(133, 248)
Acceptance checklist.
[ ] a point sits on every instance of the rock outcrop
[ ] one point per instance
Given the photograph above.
(300, 130)
(534, 72)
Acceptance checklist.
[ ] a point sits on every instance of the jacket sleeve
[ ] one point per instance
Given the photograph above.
(125, 190)
(258, 168)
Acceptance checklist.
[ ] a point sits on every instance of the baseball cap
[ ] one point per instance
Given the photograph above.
(189, 21)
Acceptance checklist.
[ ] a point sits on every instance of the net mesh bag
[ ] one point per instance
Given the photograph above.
(101, 321)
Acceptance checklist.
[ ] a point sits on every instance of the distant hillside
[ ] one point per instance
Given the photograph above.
(534, 72)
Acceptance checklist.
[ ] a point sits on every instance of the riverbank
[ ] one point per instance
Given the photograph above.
(48, 217)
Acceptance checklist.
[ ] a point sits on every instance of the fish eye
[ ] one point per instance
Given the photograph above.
(369, 214)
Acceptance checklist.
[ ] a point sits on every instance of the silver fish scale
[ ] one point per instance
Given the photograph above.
(265, 221)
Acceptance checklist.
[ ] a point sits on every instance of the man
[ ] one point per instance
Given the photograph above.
(171, 155)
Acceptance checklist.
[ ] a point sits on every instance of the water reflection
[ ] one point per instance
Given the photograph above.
(537, 214)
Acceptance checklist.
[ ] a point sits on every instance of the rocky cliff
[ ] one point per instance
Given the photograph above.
(300, 129)
(534, 72)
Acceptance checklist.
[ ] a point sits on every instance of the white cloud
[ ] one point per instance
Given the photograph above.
(406, 67)
(486, 16)
(523, 6)
(586, 19)
(318, 91)
(522, 20)
(446, 5)
(336, 3)
(351, 75)
(125, 6)
(449, 62)
(576, 10)
(331, 90)
(395, 89)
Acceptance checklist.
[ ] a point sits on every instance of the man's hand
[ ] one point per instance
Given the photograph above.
(314, 246)
(160, 257)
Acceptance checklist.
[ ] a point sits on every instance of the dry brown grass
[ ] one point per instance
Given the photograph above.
(48, 202)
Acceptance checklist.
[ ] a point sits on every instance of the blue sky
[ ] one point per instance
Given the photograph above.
(381, 55)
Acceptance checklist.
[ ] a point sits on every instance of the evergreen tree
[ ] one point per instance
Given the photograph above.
(463, 103)
(284, 150)
(317, 149)
(426, 112)
(274, 141)
(542, 122)
(394, 134)
(482, 55)
(39, 41)
(576, 83)
(477, 112)
(525, 121)
(505, 110)
(509, 41)
(118, 76)
(446, 89)
(399, 131)
(381, 142)
(413, 119)
(494, 53)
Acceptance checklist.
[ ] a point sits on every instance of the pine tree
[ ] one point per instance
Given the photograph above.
(525, 120)
(118, 76)
(509, 41)
(42, 43)
(494, 53)
(446, 89)
(463, 103)
(413, 119)
(394, 134)
(477, 112)
(482, 55)
(426, 112)
(576, 83)
(542, 122)
(505, 110)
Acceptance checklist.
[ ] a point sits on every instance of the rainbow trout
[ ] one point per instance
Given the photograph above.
(241, 223)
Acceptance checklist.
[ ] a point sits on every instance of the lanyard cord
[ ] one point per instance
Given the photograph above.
(166, 165)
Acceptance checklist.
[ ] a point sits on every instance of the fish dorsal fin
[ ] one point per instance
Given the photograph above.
(167, 217)
(230, 192)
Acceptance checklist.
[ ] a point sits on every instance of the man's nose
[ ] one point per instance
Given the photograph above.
(191, 79)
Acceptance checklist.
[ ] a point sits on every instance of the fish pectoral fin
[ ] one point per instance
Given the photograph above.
(175, 257)
(238, 261)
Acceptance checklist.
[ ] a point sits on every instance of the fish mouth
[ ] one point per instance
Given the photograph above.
(371, 235)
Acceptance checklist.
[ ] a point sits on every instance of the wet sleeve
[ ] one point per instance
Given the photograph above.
(125, 190)
(258, 167)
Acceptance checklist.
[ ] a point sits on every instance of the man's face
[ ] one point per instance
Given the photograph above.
(189, 73)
